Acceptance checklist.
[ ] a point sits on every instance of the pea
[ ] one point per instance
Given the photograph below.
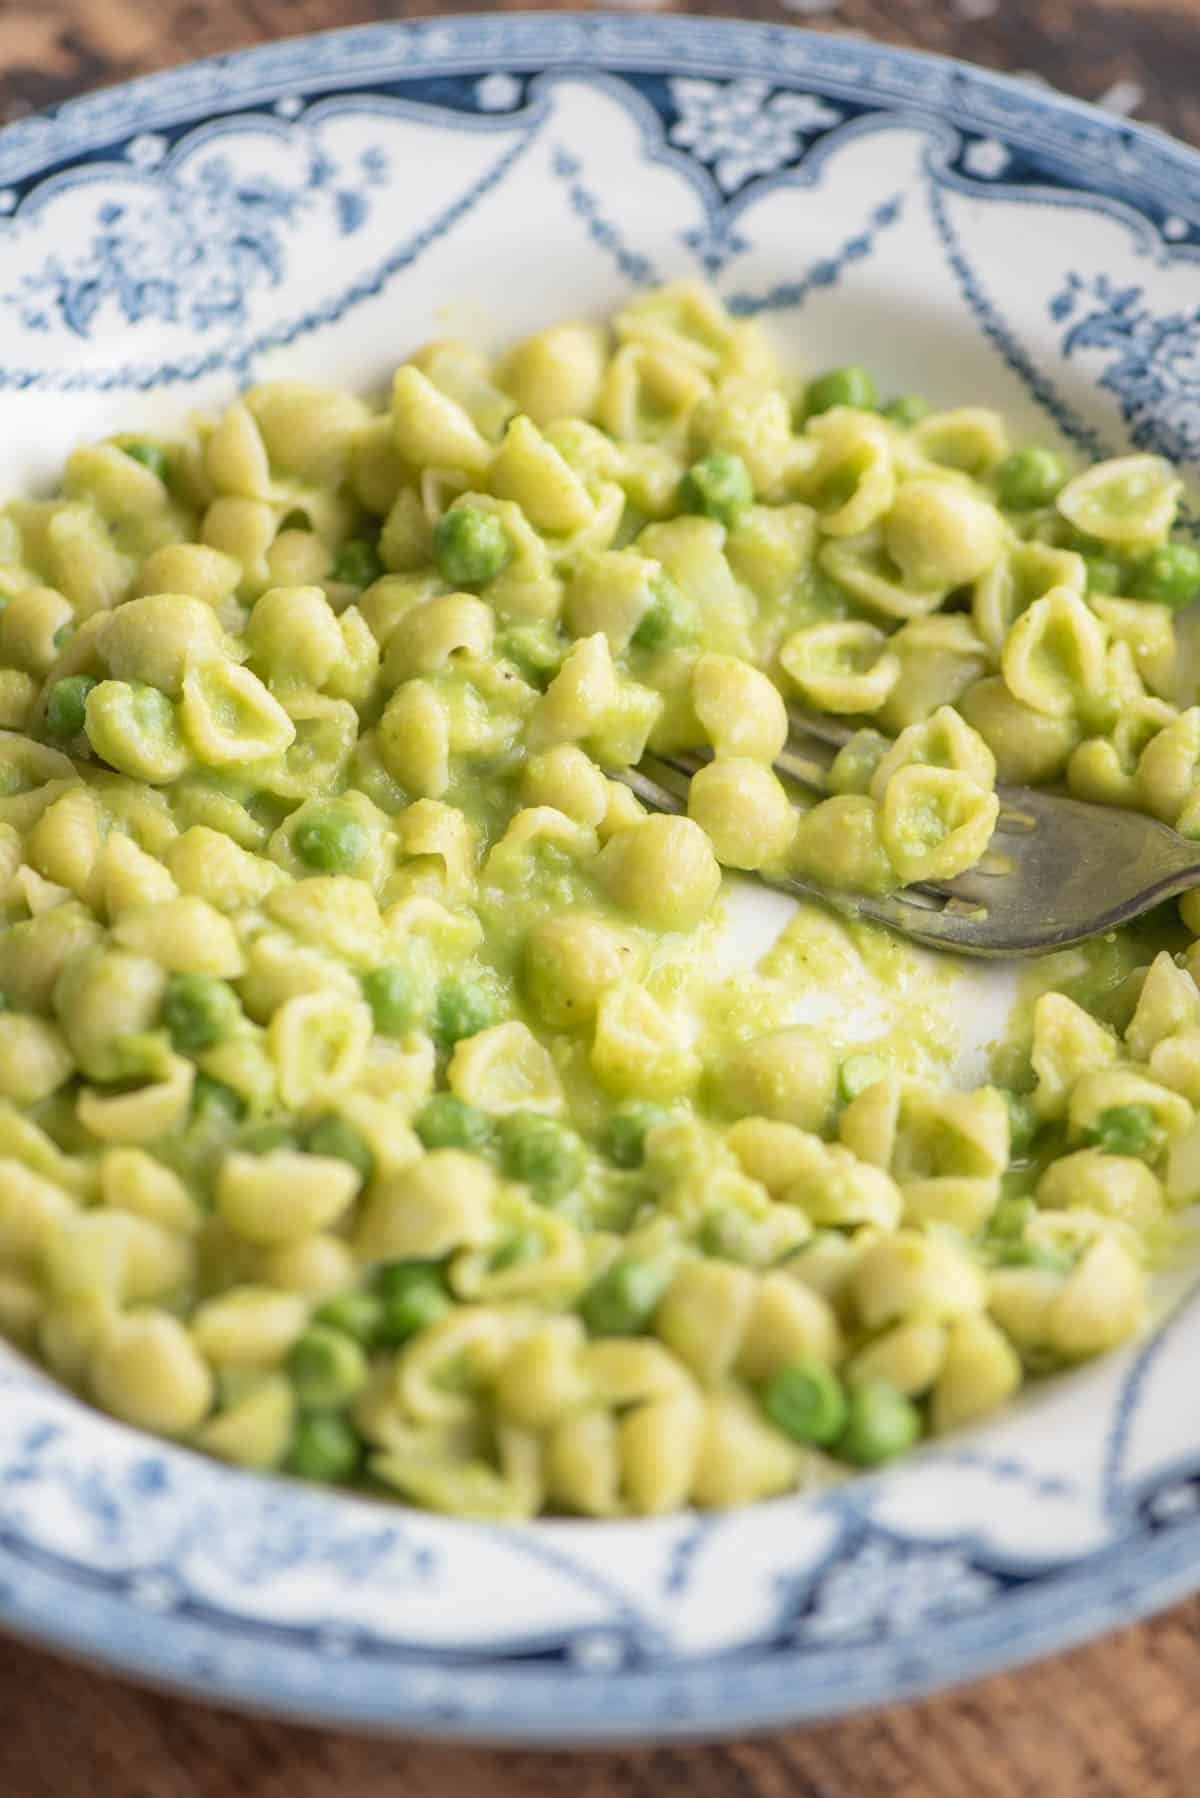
(358, 1315)
(462, 1008)
(522, 1246)
(199, 1011)
(858, 1072)
(1104, 575)
(537, 650)
(413, 1295)
(394, 995)
(324, 1447)
(880, 1424)
(718, 486)
(624, 1136)
(1017, 1251)
(1170, 575)
(665, 620)
(906, 409)
(449, 1123)
(723, 1234)
(805, 1400)
(326, 1367)
(470, 546)
(333, 1136)
(1028, 478)
(261, 1139)
(150, 456)
(214, 1102)
(849, 386)
(1011, 1218)
(330, 839)
(1125, 1130)
(541, 1152)
(1023, 1123)
(62, 636)
(622, 1302)
(357, 563)
(66, 703)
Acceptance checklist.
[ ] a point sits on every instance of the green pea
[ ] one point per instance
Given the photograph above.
(357, 563)
(1126, 1130)
(1011, 1218)
(805, 1400)
(1104, 574)
(724, 1235)
(518, 1249)
(1023, 1123)
(880, 1424)
(261, 1139)
(1030, 477)
(623, 1139)
(1018, 1251)
(394, 995)
(858, 1072)
(462, 1008)
(1170, 575)
(330, 839)
(358, 1315)
(849, 386)
(62, 636)
(334, 1137)
(214, 1102)
(413, 1295)
(325, 1447)
(470, 546)
(541, 1152)
(666, 620)
(449, 1123)
(717, 486)
(537, 650)
(199, 1011)
(66, 703)
(326, 1367)
(906, 409)
(622, 1302)
(150, 456)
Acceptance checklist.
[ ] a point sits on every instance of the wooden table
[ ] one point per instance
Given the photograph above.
(1115, 1720)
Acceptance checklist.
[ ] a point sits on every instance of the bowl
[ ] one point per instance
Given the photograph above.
(317, 207)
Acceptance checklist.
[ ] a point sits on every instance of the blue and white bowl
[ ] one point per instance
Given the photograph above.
(319, 207)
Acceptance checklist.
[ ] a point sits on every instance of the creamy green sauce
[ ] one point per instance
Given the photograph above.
(388, 1098)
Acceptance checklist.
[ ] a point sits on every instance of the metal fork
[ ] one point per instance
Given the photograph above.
(1058, 870)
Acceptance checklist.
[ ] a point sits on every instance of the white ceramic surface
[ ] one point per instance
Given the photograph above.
(318, 207)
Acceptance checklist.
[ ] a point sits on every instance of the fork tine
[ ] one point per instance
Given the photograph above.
(651, 792)
(803, 769)
(832, 731)
(925, 895)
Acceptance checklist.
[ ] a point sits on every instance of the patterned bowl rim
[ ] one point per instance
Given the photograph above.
(62, 1603)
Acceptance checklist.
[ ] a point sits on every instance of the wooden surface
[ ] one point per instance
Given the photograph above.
(1119, 1719)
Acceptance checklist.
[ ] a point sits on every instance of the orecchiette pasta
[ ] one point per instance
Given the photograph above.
(375, 1095)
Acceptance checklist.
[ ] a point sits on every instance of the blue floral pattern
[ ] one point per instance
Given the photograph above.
(1152, 359)
(742, 129)
(267, 201)
(192, 249)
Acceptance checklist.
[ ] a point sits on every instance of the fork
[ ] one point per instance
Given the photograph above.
(1058, 870)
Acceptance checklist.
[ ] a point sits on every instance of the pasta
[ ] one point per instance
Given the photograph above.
(373, 1106)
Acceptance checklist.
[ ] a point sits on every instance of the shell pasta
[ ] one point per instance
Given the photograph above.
(373, 1104)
